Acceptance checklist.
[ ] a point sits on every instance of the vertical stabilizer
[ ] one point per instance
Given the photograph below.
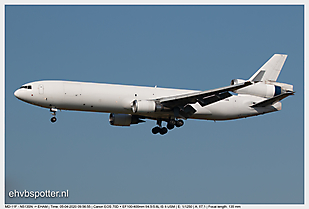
(271, 69)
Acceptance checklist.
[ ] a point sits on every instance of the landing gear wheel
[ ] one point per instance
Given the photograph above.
(156, 130)
(163, 131)
(170, 126)
(53, 119)
(179, 123)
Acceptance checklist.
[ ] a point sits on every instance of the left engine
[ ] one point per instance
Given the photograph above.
(116, 119)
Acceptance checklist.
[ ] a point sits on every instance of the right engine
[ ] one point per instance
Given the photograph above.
(123, 119)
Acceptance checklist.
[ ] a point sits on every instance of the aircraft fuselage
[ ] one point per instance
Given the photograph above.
(112, 98)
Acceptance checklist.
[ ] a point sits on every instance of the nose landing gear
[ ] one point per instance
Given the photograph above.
(53, 119)
(53, 112)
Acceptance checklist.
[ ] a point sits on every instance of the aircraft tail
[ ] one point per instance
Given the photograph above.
(264, 80)
(270, 70)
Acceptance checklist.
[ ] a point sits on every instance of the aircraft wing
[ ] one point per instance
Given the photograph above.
(203, 98)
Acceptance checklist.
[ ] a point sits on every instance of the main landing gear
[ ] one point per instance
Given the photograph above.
(170, 125)
(158, 129)
(53, 112)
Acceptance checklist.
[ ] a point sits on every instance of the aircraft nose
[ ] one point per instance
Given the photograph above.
(16, 93)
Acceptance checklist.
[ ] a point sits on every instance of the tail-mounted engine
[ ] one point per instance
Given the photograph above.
(123, 119)
(265, 89)
(140, 106)
(237, 81)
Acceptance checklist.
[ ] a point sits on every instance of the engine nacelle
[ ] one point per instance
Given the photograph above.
(140, 106)
(265, 89)
(123, 119)
(237, 81)
(261, 90)
(120, 119)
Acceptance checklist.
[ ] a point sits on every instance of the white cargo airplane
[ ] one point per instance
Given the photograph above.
(131, 104)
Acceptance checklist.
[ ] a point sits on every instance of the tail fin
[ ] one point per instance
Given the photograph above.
(271, 69)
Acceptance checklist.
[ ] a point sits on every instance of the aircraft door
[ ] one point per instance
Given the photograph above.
(41, 89)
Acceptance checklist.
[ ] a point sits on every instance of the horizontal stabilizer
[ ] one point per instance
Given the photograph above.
(273, 100)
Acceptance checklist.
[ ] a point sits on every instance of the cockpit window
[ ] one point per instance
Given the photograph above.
(26, 87)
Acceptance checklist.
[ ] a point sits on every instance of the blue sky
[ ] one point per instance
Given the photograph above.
(254, 160)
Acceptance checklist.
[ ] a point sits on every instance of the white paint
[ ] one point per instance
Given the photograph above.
(155, 103)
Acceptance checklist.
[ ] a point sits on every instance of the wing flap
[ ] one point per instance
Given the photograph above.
(185, 112)
(213, 98)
